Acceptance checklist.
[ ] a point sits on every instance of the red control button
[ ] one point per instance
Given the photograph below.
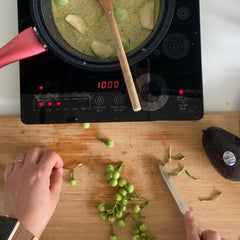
(181, 91)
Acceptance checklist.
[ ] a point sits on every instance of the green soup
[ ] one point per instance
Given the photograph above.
(83, 24)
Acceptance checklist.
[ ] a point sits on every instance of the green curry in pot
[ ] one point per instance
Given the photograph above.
(83, 24)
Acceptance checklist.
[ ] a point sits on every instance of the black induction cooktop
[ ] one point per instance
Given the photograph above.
(168, 81)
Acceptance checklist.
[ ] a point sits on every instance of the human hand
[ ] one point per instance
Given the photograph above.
(32, 187)
(192, 230)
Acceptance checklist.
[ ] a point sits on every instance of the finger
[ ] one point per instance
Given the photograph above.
(56, 182)
(8, 171)
(33, 155)
(19, 160)
(48, 161)
(210, 235)
(191, 226)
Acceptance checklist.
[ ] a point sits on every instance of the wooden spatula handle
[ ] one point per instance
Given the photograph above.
(124, 64)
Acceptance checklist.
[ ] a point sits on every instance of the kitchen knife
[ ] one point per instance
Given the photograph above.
(176, 195)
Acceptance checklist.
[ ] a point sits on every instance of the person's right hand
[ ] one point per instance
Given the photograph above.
(192, 230)
(32, 187)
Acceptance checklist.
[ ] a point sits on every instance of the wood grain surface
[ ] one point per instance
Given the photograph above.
(138, 145)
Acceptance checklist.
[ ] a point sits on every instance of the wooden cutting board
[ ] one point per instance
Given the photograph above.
(138, 145)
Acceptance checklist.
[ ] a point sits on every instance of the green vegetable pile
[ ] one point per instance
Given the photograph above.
(116, 212)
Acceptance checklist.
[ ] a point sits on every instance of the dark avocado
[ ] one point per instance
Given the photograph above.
(223, 151)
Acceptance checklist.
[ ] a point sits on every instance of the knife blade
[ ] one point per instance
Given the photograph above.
(172, 188)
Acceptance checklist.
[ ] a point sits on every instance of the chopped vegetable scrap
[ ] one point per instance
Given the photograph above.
(191, 176)
(180, 157)
(123, 198)
(216, 197)
(182, 170)
(73, 180)
(178, 173)
(86, 125)
(107, 142)
(170, 157)
(110, 143)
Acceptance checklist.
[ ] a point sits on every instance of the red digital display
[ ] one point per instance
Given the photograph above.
(108, 85)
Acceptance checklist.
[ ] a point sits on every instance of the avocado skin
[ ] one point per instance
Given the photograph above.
(216, 141)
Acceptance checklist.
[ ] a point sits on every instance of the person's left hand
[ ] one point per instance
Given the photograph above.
(32, 187)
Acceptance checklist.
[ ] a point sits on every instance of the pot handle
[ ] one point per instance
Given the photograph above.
(24, 45)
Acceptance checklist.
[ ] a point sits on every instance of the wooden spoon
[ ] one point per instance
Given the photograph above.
(108, 7)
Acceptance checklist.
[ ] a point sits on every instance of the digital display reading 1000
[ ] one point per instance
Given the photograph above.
(108, 85)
